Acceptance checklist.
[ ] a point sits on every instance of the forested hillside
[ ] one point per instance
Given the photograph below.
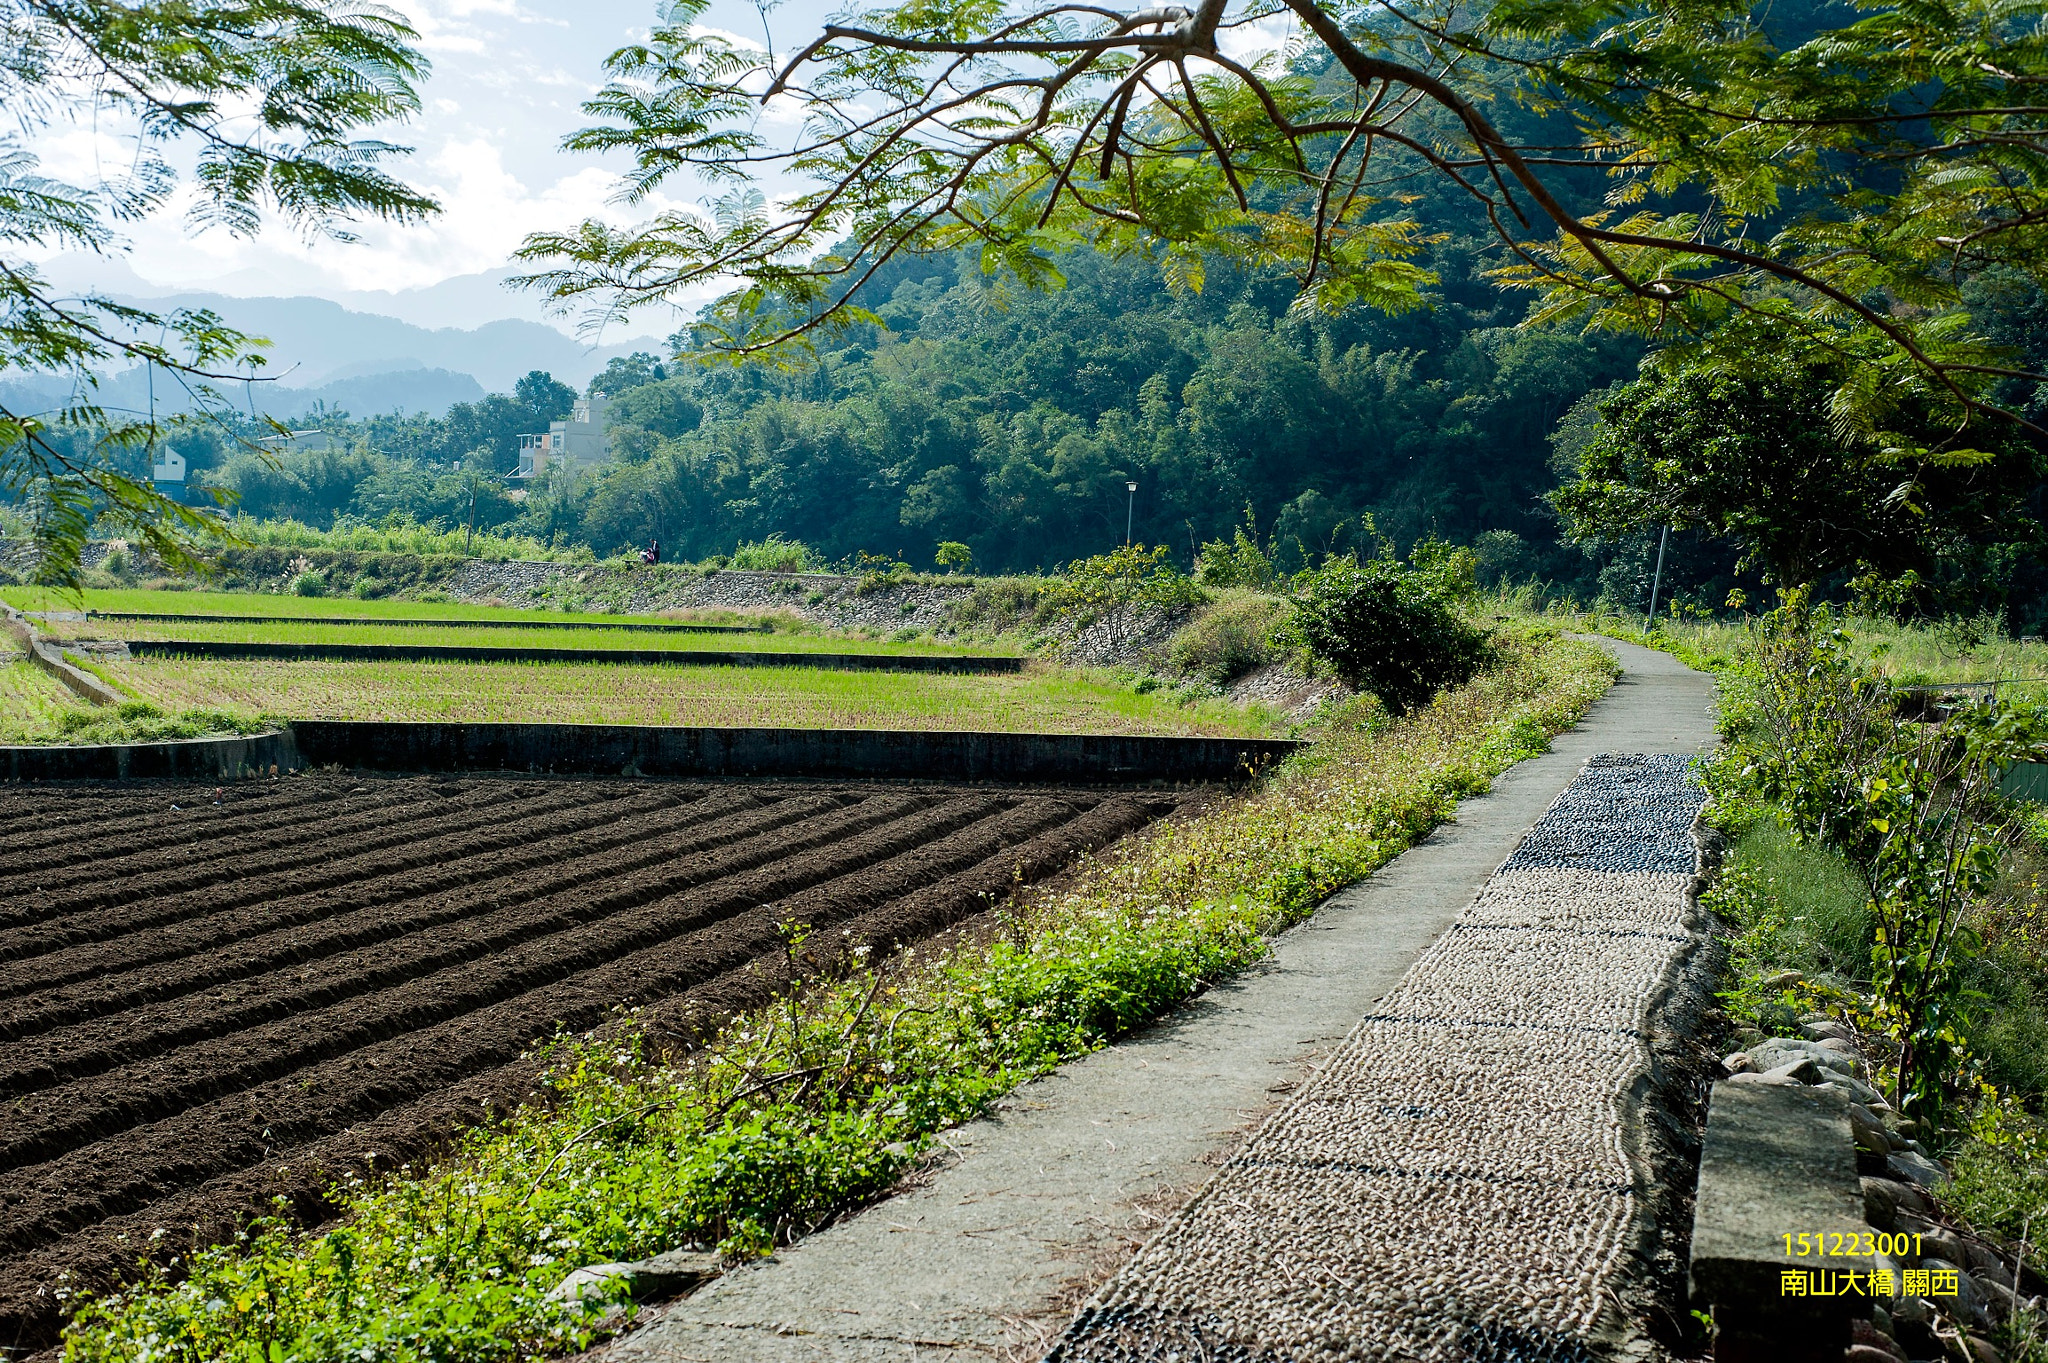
(1012, 419)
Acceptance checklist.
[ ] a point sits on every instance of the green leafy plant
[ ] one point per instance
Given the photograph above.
(1910, 805)
(1131, 578)
(1387, 627)
(1240, 561)
(954, 557)
(776, 555)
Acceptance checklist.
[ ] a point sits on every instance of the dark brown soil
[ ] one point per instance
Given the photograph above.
(211, 998)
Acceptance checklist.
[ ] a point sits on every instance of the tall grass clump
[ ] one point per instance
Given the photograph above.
(787, 1116)
(777, 555)
(402, 537)
(1794, 906)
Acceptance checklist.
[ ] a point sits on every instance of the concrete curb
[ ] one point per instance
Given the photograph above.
(50, 658)
(232, 757)
(635, 750)
(608, 749)
(633, 627)
(638, 657)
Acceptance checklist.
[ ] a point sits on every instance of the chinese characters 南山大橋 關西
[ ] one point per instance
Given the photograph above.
(1883, 1282)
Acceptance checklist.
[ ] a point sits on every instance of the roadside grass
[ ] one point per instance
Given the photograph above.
(1038, 699)
(818, 1102)
(1793, 907)
(1906, 654)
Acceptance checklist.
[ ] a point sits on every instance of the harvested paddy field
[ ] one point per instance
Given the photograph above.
(305, 607)
(1036, 700)
(213, 998)
(497, 634)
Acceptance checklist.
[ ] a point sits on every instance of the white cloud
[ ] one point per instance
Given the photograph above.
(1248, 43)
(508, 81)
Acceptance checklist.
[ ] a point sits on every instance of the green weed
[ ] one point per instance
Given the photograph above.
(819, 1101)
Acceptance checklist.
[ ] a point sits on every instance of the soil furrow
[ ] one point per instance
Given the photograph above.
(101, 978)
(147, 902)
(176, 827)
(140, 901)
(696, 1012)
(248, 1127)
(117, 812)
(388, 949)
(252, 1043)
(52, 1122)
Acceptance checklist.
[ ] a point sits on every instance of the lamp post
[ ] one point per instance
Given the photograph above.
(1130, 509)
(1656, 581)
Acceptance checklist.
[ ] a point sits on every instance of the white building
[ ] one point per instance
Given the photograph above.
(303, 441)
(167, 474)
(579, 440)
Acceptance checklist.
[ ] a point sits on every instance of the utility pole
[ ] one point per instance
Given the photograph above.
(470, 534)
(1130, 509)
(1656, 580)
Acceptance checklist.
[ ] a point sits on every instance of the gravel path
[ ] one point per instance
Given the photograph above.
(988, 1259)
(1452, 1183)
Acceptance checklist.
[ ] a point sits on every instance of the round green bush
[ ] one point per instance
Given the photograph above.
(1387, 628)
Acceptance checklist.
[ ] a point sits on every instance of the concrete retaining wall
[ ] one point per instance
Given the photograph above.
(197, 759)
(50, 659)
(596, 622)
(615, 749)
(638, 657)
(610, 749)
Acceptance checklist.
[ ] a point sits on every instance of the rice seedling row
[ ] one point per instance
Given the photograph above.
(1033, 701)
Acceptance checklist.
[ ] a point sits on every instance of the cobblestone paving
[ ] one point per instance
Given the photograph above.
(1452, 1183)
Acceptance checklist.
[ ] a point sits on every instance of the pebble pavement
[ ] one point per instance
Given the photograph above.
(1453, 1183)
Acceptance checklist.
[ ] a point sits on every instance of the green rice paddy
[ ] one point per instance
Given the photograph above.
(1037, 700)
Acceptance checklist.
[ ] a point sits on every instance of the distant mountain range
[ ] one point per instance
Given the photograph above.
(361, 362)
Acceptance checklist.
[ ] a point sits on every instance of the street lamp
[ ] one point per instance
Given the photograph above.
(1130, 509)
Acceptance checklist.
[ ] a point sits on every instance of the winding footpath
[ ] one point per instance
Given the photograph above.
(1401, 1139)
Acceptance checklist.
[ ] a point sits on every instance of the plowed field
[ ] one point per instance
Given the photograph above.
(209, 999)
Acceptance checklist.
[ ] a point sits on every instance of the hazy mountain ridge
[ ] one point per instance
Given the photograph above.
(365, 363)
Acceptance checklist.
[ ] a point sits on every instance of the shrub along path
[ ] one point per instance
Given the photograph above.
(989, 1258)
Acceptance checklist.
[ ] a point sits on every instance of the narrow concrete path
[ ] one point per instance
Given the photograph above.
(990, 1257)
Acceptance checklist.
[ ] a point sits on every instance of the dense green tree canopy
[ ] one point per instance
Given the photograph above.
(1827, 175)
(1755, 456)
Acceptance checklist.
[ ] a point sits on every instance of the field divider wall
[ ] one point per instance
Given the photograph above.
(634, 657)
(645, 750)
(652, 750)
(50, 659)
(632, 627)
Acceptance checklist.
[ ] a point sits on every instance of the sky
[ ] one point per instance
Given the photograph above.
(509, 77)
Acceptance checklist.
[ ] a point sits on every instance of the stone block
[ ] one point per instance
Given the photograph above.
(1776, 1159)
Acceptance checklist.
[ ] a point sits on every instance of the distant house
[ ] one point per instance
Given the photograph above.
(300, 442)
(579, 440)
(168, 473)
